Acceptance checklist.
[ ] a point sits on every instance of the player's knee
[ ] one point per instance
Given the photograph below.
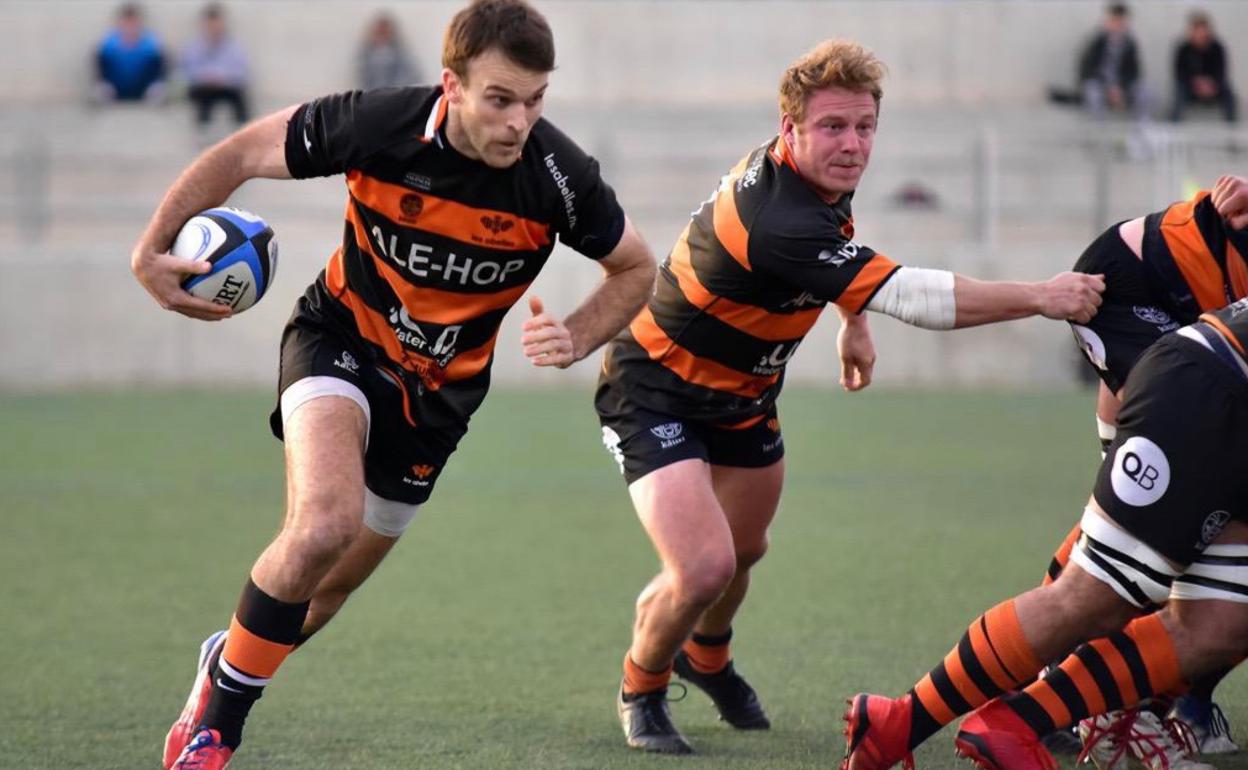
(703, 581)
(751, 554)
(328, 509)
(314, 545)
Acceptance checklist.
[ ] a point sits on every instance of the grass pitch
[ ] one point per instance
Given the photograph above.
(493, 635)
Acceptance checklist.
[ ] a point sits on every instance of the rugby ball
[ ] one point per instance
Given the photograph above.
(241, 249)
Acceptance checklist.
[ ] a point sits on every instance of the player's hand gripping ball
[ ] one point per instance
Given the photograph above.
(241, 249)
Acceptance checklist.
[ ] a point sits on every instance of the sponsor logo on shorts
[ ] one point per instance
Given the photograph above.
(1154, 315)
(773, 445)
(1091, 344)
(611, 440)
(348, 362)
(1212, 527)
(669, 434)
(1141, 472)
(421, 474)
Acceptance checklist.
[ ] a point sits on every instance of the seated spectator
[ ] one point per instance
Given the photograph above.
(1200, 70)
(1109, 69)
(215, 68)
(383, 59)
(129, 61)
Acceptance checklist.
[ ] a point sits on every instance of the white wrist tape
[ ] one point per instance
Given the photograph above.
(919, 297)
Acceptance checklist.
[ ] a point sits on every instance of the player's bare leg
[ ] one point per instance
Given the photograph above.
(324, 509)
(679, 511)
(1195, 634)
(1002, 649)
(749, 498)
(363, 556)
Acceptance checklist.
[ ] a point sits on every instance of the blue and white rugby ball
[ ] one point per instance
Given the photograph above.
(241, 249)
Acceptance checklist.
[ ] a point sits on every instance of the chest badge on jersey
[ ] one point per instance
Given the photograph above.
(410, 206)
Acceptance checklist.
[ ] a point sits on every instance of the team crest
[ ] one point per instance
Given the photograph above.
(1150, 314)
(423, 471)
(410, 206)
(668, 430)
(1213, 525)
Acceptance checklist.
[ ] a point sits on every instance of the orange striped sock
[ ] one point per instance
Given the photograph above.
(708, 654)
(1062, 555)
(991, 658)
(262, 633)
(638, 680)
(1114, 672)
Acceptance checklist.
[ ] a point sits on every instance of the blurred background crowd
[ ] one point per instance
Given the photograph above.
(1012, 132)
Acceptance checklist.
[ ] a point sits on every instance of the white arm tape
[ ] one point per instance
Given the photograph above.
(919, 297)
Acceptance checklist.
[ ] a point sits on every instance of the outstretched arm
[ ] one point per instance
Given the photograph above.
(1066, 296)
(258, 150)
(630, 271)
(939, 299)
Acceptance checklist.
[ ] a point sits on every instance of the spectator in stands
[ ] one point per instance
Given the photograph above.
(129, 61)
(1200, 70)
(215, 68)
(1109, 68)
(383, 59)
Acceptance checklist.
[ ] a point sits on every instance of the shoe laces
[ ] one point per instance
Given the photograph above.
(1217, 721)
(1112, 732)
(655, 712)
(1160, 744)
(198, 752)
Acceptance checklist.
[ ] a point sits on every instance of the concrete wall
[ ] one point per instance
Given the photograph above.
(667, 94)
(968, 51)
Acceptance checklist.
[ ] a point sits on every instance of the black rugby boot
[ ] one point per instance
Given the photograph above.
(736, 701)
(647, 723)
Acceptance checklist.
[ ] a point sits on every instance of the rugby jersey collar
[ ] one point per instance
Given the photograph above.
(434, 126)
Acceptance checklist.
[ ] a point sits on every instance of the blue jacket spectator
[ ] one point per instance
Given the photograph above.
(130, 63)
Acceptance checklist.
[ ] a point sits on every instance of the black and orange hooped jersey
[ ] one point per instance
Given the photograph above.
(1232, 323)
(1194, 259)
(437, 246)
(745, 282)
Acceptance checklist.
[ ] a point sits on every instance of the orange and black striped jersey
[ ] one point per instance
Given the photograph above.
(745, 282)
(1193, 259)
(436, 246)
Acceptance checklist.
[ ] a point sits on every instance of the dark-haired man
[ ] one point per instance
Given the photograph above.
(456, 195)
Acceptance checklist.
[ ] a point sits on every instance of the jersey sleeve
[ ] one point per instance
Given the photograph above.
(817, 257)
(332, 134)
(590, 220)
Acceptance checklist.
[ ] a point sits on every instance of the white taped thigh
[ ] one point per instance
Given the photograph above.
(1117, 558)
(387, 517)
(1219, 572)
(306, 389)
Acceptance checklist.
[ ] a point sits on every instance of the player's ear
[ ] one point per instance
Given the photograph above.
(787, 127)
(452, 86)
